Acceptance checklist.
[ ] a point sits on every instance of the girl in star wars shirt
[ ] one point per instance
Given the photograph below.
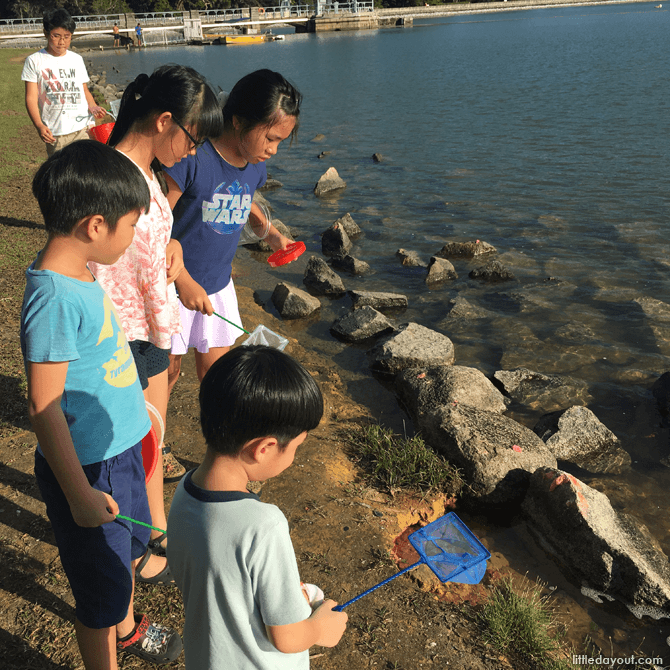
(211, 195)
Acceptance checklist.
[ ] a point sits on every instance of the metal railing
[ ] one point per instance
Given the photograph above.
(353, 7)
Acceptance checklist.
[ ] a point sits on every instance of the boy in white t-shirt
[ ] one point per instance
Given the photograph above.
(57, 97)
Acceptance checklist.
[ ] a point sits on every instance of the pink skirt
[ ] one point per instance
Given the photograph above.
(207, 332)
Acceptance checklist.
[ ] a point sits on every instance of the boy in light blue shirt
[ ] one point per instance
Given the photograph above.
(85, 401)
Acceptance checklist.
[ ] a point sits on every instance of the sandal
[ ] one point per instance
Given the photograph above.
(163, 578)
(172, 468)
(157, 547)
(151, 641)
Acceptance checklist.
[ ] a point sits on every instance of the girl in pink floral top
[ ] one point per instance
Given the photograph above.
(162, 119)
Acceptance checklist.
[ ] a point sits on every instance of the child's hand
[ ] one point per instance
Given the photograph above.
(276, 240)
(193, 296)
(98, 112)
(174, 260)
(94, 509)
(46, 135)
(332, 624)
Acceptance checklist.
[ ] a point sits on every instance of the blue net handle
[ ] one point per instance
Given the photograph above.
(339, 608)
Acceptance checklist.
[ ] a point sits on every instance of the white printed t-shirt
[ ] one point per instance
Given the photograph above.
(60, 83)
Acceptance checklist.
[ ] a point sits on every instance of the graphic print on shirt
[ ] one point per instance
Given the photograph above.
(229, 208)
(61, 88)
(120, 369)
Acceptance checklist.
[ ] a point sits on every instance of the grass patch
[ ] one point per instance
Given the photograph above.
(395, 462)
(521, 624)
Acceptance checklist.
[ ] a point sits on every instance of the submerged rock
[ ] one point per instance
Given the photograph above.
(292, 302)
(493, 271)
(496, 454)
(576, 436)
(461, 308)
(410, 259)
(603, 550)
(379, 300)
(321, 279)
(361, 324)
(465, 249)
(412, 345)
(271, 184)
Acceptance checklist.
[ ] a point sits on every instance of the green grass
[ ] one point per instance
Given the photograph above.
(521, 624)
(13, 115)
(393, 462)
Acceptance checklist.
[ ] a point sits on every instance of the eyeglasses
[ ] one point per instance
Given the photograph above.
(196, 143)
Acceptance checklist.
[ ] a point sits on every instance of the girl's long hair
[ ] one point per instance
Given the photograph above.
(177, 89)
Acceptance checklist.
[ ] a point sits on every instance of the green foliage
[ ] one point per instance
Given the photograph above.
(522, 624)
(396, 462)
(161, 6)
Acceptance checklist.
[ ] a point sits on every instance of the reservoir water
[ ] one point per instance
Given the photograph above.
(542, 132)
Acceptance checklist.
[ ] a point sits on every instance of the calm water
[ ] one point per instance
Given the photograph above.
(541, 132)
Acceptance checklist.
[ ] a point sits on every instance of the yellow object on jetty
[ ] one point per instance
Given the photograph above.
(244, 39)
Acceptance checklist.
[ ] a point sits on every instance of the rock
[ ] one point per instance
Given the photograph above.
(426, 388)
(292, 302)
(261, 200)
(465, 249)
(350, 264)
(496, 454)
(493, 271)
(602, 549)
(539, 391)
(318, 137)
(335, 241)
(329, 181)
(378, 300)
(350, 226)
(410, 259)
(321, 279)
(661, 391)
(464, 309)
(270, 184)
(377, 158)
(361, 324)
(439, 269)
(412, 345)
(576, 436)
(323, 154)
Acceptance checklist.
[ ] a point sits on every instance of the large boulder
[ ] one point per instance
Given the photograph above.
(496, 454)
(361, 324)
(321, 279)
(539, 391)
(603, 550)
(292, 302)
(329, 181)
(423, 389)
(378, 300)
(576, 436)
(412, 345)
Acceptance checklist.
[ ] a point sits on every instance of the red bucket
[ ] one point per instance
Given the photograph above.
(101, 132)
(149, 453)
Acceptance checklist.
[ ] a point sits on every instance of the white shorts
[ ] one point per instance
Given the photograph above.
(207, 332)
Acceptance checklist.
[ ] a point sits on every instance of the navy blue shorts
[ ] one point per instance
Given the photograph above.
(97, 560)
(149, 360)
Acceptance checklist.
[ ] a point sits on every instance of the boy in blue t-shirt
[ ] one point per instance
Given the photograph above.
(85, 401)
(231, 554)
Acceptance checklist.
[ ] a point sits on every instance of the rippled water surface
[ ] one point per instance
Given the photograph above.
(541, 132)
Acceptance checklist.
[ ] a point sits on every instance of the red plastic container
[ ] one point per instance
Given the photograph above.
(101, 132)
(287, 255)
(149, 453)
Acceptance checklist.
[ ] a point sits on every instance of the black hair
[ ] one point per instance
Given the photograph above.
(87, 178)
(260, 98)
(58, 18)
(177, 89)
(255, 391)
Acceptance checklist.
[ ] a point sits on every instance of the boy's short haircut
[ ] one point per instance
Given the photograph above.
(58, 18)
(255, 392)
(87, 178)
